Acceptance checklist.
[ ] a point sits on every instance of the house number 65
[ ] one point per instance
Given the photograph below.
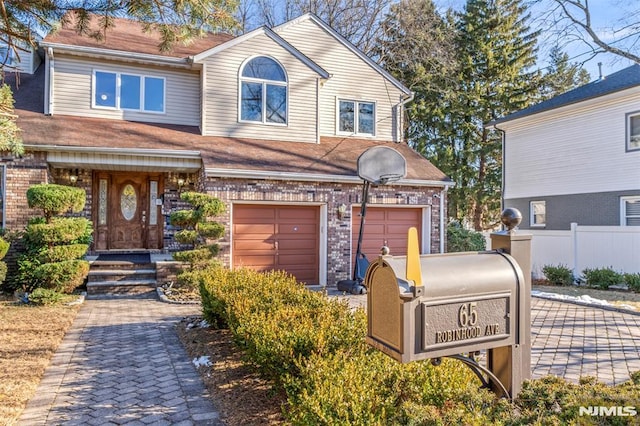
(468, 314)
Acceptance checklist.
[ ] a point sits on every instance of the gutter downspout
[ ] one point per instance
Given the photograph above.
(401, 105)
(443, 232)
(48, 80)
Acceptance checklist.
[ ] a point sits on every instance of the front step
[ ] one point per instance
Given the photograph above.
(116, 278)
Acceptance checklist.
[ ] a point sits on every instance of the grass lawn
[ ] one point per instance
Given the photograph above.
(29, 336)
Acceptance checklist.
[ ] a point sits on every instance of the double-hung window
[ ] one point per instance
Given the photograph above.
(633, 131)
(538, 216)
(630, 211)
(6, 56)
(128, 92)
(263, 92)
(356, 117)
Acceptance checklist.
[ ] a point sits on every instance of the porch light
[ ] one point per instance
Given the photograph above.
(342, 210)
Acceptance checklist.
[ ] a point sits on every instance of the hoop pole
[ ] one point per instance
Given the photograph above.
(363, 213)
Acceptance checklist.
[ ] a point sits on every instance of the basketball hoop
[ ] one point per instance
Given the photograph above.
(379, 165)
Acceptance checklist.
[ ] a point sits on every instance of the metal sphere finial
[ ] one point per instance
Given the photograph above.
(385, 250)
(511, 218)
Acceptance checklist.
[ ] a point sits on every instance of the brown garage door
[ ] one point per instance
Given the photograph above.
(385, 226)
(277, 237)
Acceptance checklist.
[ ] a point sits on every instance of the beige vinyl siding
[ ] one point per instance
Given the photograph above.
(352, 78)
(577, 149)
(222, 92)
(73, 92)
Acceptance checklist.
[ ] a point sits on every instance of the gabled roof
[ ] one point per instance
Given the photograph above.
(334, 159)
(128, 36)
(273, 36)
(347, 44)
(624, 79)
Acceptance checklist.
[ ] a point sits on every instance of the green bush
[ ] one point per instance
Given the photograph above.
(602, 277)
(558, 275)
(59, 231)
(3, 272)
(55, 199)
(632, 281)
(4, 248)
(44, 296)
(460, 239)
(61, 253)
(63, 277)
(199, 230)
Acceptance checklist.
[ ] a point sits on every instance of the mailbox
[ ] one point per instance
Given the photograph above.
(431, 306)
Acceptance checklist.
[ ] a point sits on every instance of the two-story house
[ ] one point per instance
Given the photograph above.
(575, 159)
(271, 122)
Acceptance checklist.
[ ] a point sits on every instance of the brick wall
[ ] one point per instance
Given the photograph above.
(333, 195)
(21, 173)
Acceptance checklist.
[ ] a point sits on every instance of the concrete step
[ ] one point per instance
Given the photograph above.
(121, 287)
(121, 274)
(98, 265)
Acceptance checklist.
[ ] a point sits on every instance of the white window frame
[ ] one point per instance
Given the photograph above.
(118, 86)
(532, 214)
(264, 84)
(8, 53)
(356, 117)
(623, 208)
(628, 137)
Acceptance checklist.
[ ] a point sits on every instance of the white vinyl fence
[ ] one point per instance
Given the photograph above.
(616, 247)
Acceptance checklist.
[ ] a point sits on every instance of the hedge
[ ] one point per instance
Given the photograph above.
(313, 350)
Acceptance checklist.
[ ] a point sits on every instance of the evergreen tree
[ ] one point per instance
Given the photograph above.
(496, 50)
(562, 75)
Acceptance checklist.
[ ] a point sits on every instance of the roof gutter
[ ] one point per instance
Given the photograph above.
(96, 52)
(312, 177)
(193, 155)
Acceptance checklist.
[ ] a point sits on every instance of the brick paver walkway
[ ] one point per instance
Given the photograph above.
(122, 363)
(572, 341)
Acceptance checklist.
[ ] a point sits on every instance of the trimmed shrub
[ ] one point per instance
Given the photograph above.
(602, 277)
(44, 296)
(62, 253)
(4, 248)
(59, 231)
(62, 276)
(55, 199)
(460, 239)
(558, 275)
(3, 272)
(632, 281)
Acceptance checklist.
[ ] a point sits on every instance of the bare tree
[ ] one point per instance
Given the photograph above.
(357, 20)
(574, 20)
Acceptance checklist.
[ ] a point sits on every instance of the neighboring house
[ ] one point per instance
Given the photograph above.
(23, 58)
(576, 159)
(271, 122)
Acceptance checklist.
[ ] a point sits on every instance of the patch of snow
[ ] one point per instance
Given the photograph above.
(582, 299)
(203, 324)
(203, 360)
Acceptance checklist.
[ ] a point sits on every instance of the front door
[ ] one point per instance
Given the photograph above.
(127, 216)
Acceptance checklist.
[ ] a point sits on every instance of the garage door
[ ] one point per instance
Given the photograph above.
(277, 238)
(385, 226)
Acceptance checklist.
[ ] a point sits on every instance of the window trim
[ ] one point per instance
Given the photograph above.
(532, 215)
(264, 84)
(627, 133)
(623, 208)
(356, 117)
(117, 106)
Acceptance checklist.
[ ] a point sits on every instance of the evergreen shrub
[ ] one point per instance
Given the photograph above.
(558, 274)
(632, 281)
(602, 277)
(460, 239)
(45, 296)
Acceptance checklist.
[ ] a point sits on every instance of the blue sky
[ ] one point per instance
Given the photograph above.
(605, 15)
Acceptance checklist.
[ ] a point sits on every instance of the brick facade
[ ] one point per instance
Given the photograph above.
(32, 169)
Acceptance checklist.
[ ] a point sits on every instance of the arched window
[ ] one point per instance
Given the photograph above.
(263, 91)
